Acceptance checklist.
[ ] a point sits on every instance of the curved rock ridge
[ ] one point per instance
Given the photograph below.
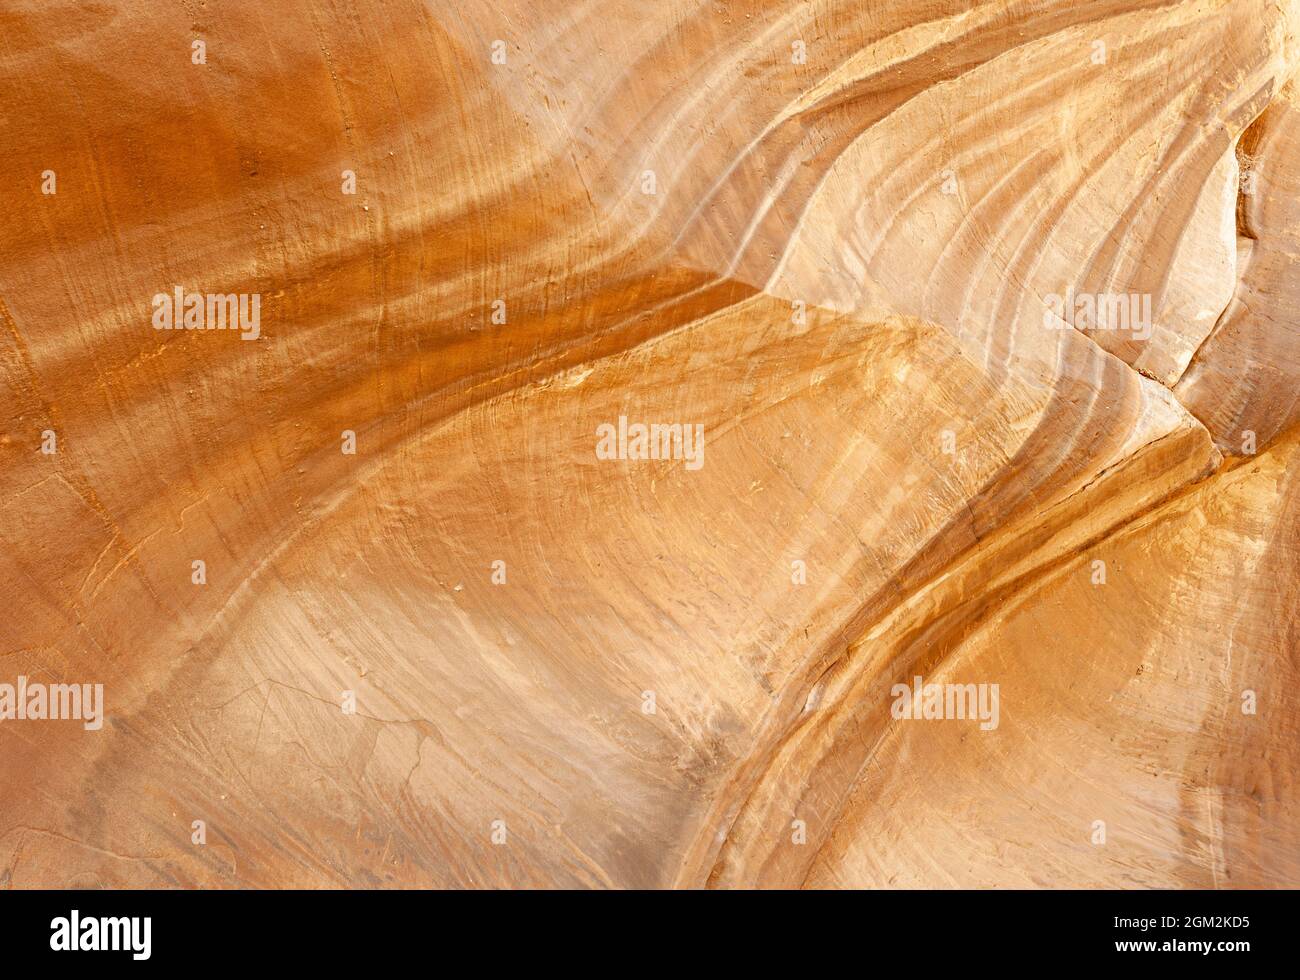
(664, 445)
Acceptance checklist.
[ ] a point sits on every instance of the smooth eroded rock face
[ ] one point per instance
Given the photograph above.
(650, 445)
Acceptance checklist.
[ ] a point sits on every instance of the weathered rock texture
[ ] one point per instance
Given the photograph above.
(835, 235)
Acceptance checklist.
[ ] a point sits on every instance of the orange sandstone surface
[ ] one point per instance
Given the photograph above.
(650, 445)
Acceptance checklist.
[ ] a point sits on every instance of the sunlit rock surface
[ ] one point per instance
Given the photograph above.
(980, 326)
